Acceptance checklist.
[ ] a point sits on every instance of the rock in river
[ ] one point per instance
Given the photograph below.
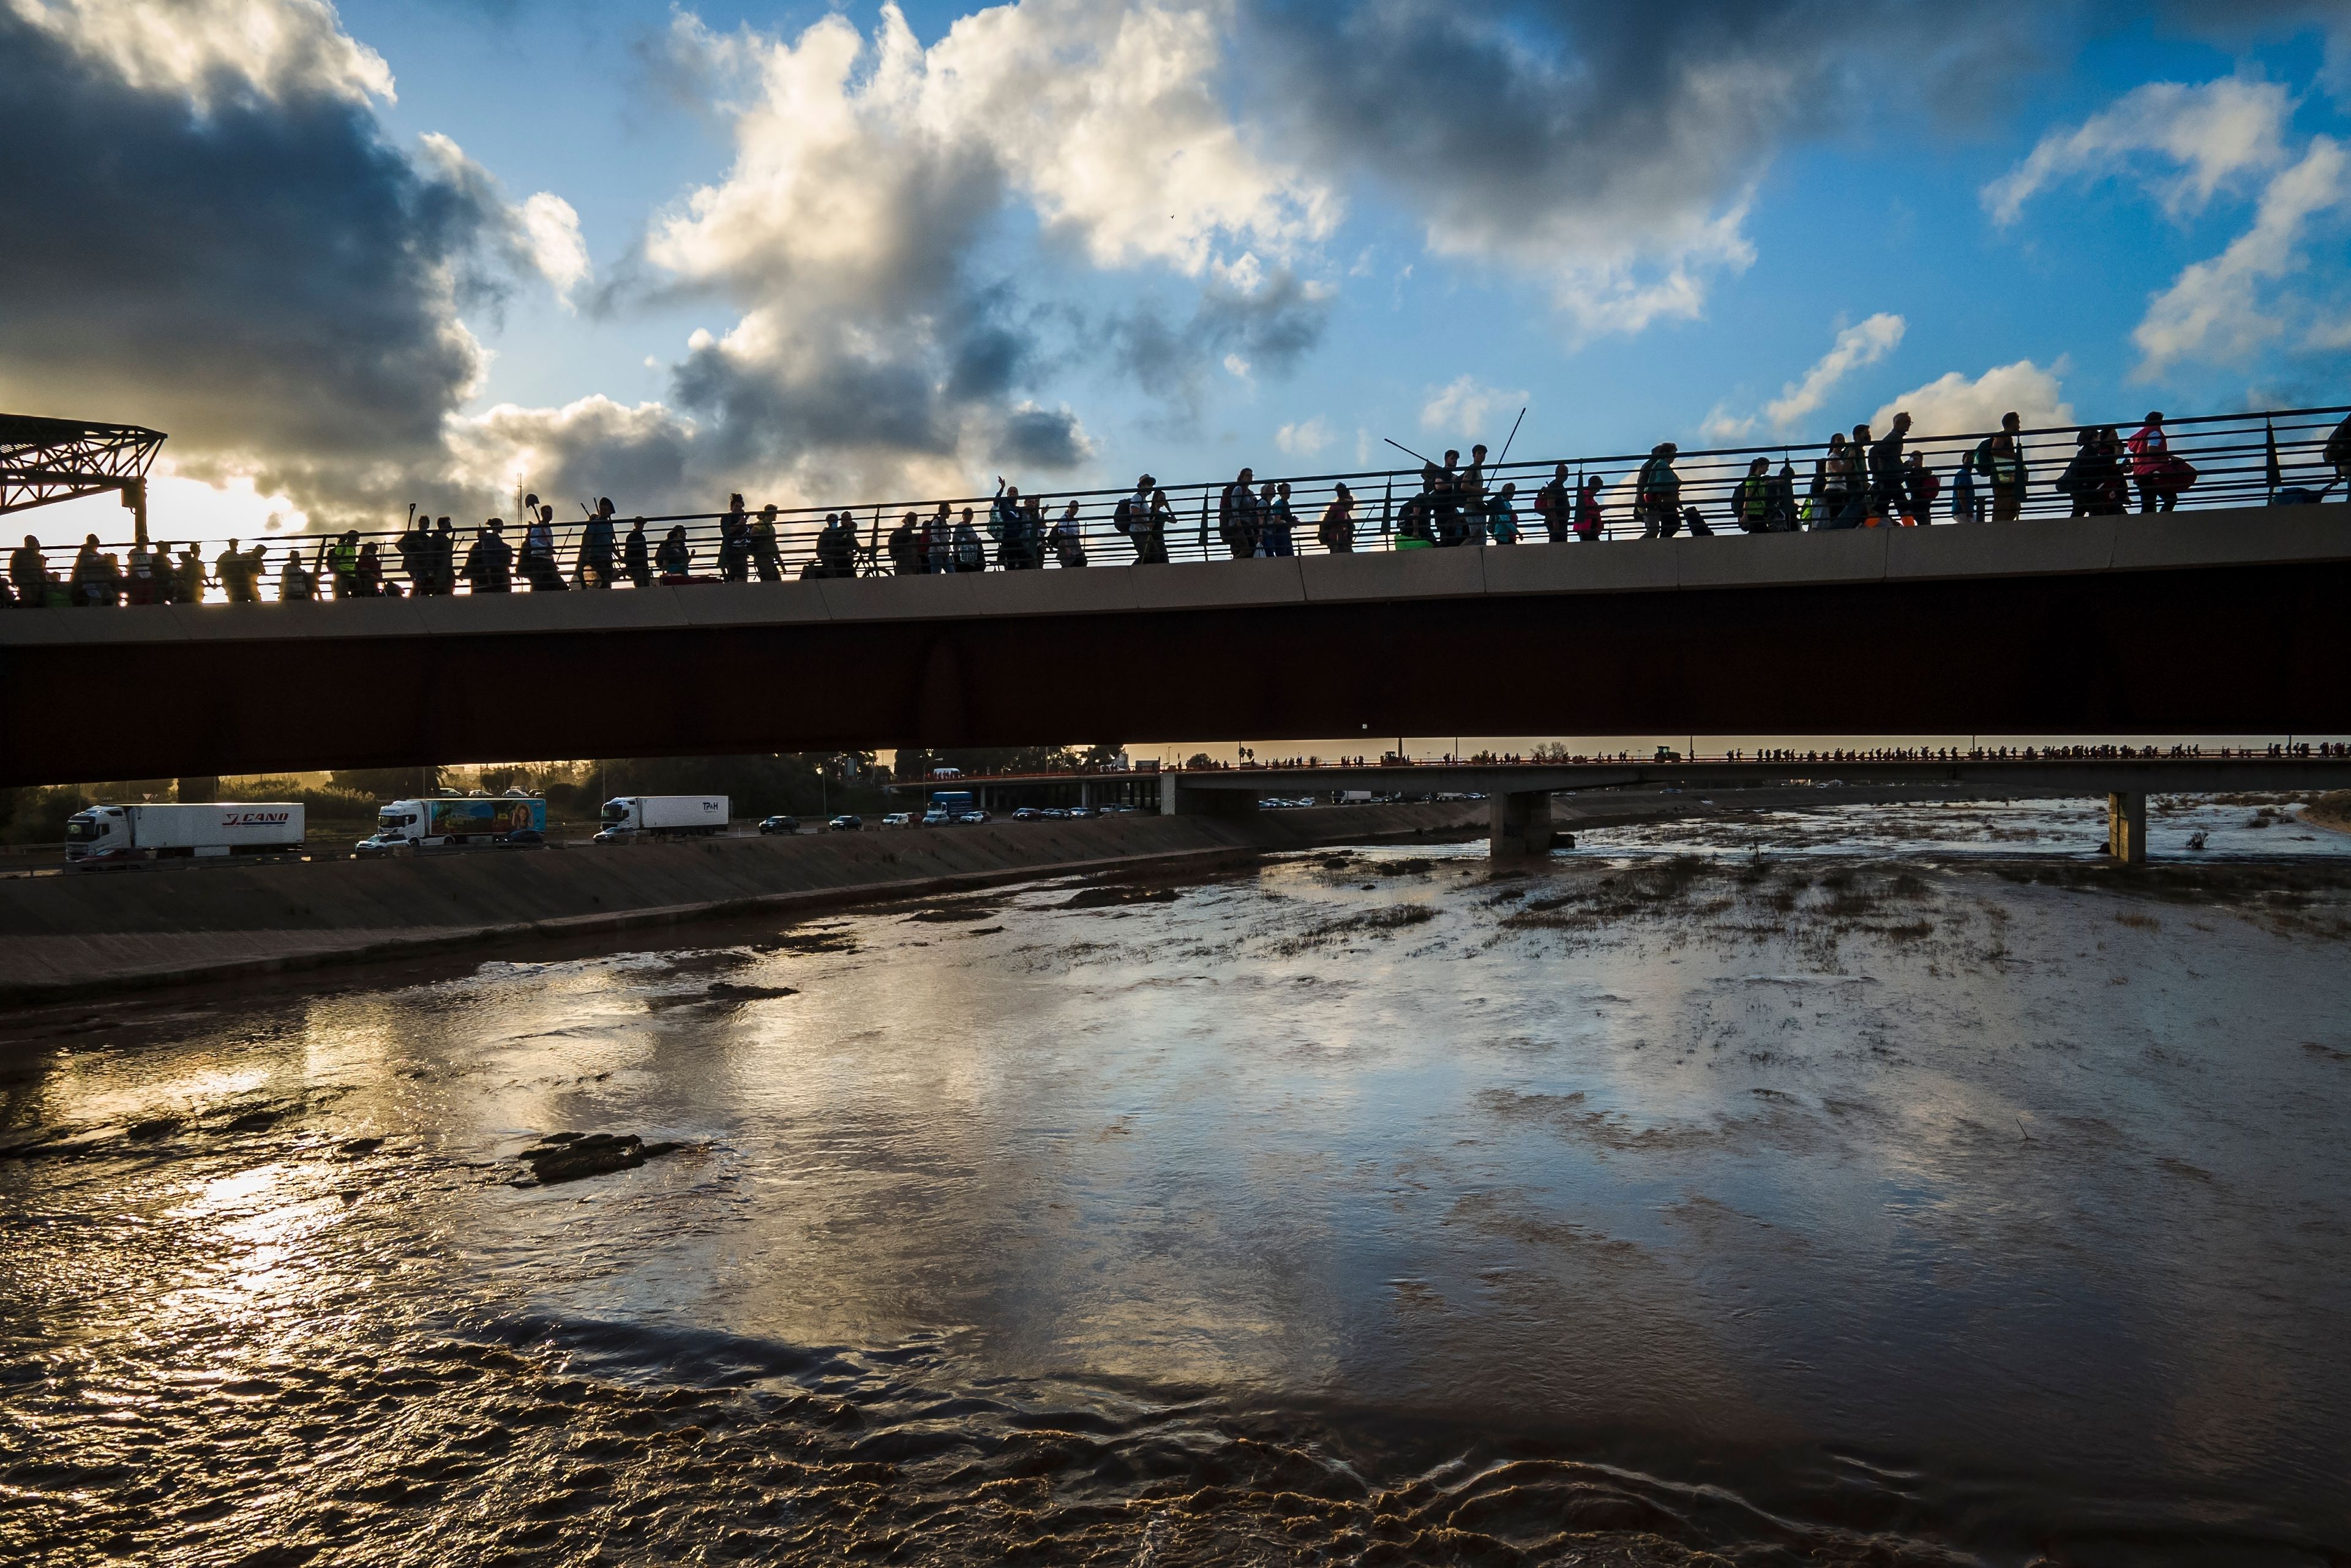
(568, 1156)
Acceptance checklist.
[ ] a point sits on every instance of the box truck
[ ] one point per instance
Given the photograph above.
(106, 833)
(658, 816)
(454, 820)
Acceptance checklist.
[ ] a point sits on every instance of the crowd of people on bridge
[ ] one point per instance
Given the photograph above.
(1860, 480)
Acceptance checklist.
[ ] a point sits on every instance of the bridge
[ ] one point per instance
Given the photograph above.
(1519, 793)
(2221, 621)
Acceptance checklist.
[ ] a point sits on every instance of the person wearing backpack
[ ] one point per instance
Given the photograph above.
(970, 555)
(1501, 517)
(764, 553)
(1753, 502)
(2002, 464)
(1833, 480)
(1068, 538)
(2003, 468)
(1133, 512)
(1659, 493)
(1337, 530)
(1889, 497)
(1587, 511)
(2150, 464)
(1922, 487)
(1237, 516)
(906, 547)
(1554, 506)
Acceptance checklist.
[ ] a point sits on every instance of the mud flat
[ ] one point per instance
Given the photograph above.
(96, 933)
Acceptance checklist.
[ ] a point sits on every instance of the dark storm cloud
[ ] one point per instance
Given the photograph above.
(260, 275)
(1273, 326)
(1039, 438)
(1587, 124)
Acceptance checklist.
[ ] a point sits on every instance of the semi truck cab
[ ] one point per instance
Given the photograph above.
(102, 832)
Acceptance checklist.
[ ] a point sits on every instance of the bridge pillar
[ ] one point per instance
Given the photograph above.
(1522, 825)
(2127, 828)
(1175, 800)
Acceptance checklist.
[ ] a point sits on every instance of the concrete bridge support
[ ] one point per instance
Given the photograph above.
(1522, 825)
(2127, 828)
(1177, 802)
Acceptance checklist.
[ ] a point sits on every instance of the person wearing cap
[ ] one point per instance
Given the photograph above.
(343, 564)
(765, 554)
(1132, 515)
(489, 563)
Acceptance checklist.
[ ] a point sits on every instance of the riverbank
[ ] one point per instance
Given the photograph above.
(98, 934)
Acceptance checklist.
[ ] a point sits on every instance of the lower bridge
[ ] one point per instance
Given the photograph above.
(1519, 794)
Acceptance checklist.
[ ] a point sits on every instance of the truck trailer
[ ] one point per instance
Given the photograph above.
(108, 833)
(660, 816)
(435, 820)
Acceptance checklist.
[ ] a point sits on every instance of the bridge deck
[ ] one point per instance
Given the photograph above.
(2207, 622)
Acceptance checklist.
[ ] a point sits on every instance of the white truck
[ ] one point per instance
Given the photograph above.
(108, 833)
(658, 816)
(456, 819)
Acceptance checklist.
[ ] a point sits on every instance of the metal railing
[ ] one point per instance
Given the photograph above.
(2238, 460)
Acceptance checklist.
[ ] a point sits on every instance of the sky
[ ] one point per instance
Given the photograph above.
(431, 251)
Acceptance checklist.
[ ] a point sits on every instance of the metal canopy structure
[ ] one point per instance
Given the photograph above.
(44, 461)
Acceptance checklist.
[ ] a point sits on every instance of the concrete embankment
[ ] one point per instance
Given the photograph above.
(96, 933)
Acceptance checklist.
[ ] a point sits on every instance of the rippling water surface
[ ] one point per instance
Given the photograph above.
(1918, 1190)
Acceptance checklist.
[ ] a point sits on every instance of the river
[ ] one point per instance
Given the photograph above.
(1897, 1184)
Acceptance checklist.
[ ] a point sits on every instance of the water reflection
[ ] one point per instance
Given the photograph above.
(1904, 1195)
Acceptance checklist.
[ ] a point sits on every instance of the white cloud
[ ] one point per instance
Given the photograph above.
(2211, 135)
(1855, 348)
(197, 48)
(1236, 367)
(1466, 408)
(1103, 116)
(2214, 311)
(1622, 287)
(1305, 438)
(551, 229)
(1951, 404)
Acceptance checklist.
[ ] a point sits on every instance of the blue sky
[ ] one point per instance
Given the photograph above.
(1413, 220)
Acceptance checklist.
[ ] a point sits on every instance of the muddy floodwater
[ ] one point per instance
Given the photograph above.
(1898, 1184)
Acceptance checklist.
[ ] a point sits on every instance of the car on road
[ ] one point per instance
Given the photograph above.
(846, 823)
(899, 820)
(934, 818)
(1054, 814)
(524, 838)
(1027, 814)
(1082, 811)
(975, 817)
(780, 825)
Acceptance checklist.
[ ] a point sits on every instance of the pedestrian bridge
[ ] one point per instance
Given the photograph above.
(2223, 622)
